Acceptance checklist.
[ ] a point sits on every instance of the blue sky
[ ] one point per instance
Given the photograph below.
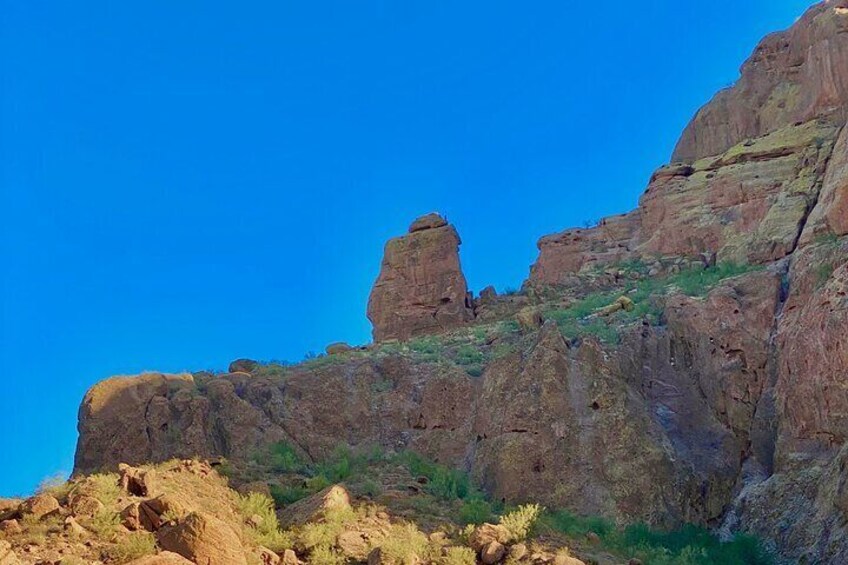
(185, 183)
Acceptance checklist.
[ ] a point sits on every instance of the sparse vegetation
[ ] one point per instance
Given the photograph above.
(520, 521)
(689, 545)
(823, 274)
(132, 546)
(266, 530)
(580, 320)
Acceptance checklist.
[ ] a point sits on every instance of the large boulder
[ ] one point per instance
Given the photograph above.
(39, 506)
(203, 539)
(421, 288)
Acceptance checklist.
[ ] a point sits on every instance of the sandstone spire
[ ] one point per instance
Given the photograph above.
(421, 288)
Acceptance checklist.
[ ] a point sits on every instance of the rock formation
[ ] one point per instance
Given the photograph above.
(421, 288)
(726, 408)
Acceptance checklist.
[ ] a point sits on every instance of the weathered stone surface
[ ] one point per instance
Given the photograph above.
(748, 204)
(39, 506)
(792, 76)
(813, 354)
(421, 288)
(7, 556)
(564, 254)
(140, 409)
(313, 508)
(830, 215)
(337, 348)
(84, 506)
(492, 553)
(10, 527)
(203, 539)
(164, 558)
(242, 366)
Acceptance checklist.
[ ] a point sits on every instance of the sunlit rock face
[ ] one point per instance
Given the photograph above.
(421, 288)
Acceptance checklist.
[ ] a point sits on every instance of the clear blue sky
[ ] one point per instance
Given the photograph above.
(185, 183)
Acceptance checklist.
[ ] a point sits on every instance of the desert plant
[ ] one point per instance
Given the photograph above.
(132, 546)
(458, 556)
(266, 530)
(475, 511)
(403, 545)
(520, 521)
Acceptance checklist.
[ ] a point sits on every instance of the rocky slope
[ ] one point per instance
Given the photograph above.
(682, 363)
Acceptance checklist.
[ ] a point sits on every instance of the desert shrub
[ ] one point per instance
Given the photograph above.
(132, 546)
(281, 457)
(576, 526)
(443, 482)
(520, 521)
(104, 487)
(428, 347)
(56, 486)
(370, 488)
(403, 545)
(697, 281)
(285, 495)
(475, 511)
(267, 531)
(458, 556)
(326, 555)
(823, 274)
(475, 370)
(104, 524)
(325, 533)
(468, 355)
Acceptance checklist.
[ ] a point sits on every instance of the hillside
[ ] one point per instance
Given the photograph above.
(664, 381)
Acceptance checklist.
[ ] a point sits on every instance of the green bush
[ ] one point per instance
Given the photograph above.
(267, 531)
(284, 496)
(520, 521)
(442, 482)
(697, 281)
(468, 355)
(281, 458)
(475, 511)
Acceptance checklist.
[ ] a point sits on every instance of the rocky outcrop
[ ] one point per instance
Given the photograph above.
(421, 288)
(564, 254)
(793, 76)
(685, 394)
(748, 204)
(749, 169)
(203, 538)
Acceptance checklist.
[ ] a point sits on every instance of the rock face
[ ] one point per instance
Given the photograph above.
(750, 173)
(793, 76)
(421, 288)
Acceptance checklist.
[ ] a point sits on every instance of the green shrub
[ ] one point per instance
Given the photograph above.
(697, 281)
(823, 274)
(520, 521)
(475, 511)
(443, 482)
(576, 526)
(403, 545)
(281, 457)
(468, 355)
(428, 347)
(283, 496)
(267, 531)
(458, 556)
(132, 546)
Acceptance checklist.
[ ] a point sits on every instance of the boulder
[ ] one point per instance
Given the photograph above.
(243, 366)
(10, 527)
(290, 558)
(427, 222)
(421, 289)
(338, 347)
(136, 481)
(529, 319)
(492, 553)
(267, 557)
(7, 556)
(484, 534)
(313, 508)
(73, 527)
(84, 505)
(203, 539)
(39, 506)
